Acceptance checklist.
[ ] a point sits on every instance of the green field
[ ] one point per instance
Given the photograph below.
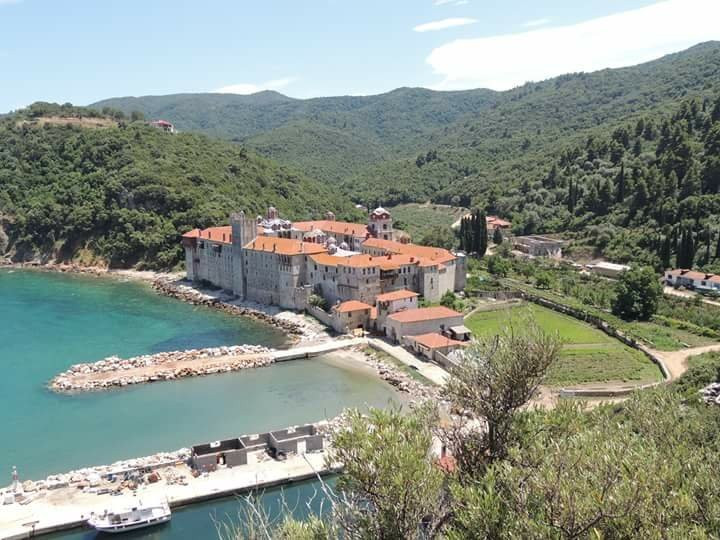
(419, 219)
(588, 355)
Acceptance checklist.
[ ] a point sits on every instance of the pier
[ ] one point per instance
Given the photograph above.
(68, 506)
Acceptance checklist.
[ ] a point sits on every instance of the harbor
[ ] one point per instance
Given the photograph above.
(67, 501)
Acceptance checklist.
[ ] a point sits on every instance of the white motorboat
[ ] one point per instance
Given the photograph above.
(130, 519)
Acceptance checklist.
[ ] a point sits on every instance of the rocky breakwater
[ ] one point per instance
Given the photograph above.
(114, 371)
(187, 294)
(417, 391)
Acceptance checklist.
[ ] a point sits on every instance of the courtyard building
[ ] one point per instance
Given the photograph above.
(271, 260)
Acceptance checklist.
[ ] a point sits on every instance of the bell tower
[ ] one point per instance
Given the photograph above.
(381, 224)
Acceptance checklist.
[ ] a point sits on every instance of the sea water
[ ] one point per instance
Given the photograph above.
(50, 321)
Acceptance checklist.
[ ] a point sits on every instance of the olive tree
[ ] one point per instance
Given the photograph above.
(497, 377)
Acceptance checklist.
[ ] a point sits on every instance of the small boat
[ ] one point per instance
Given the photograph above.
(131, 519)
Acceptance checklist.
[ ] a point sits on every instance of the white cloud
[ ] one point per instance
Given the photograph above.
(623, 39)
(444, 23)
(452, 2)
(252, 88)
(535, 23)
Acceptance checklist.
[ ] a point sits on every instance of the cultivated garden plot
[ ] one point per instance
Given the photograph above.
(588, 355)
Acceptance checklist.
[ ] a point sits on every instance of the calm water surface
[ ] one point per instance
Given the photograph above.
(50, 321)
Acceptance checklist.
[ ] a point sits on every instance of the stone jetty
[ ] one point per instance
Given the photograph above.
(114, 371)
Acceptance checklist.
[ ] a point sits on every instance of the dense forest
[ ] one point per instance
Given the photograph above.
(415, 145)
(623, 161)
(123, 193)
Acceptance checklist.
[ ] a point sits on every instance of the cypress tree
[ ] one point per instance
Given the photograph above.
(483, 232)
(665, 251)
(621, 184)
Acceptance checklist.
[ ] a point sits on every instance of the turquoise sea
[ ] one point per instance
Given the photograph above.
(49, 321)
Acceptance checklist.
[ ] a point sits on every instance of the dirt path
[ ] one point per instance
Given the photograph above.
(676, 361)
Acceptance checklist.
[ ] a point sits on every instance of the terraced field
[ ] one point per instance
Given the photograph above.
(588, 355)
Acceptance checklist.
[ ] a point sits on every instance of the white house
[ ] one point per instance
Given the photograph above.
(692, 279)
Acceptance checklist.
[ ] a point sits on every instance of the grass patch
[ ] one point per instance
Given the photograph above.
(419, 219)
(657, 336)
(588, 354)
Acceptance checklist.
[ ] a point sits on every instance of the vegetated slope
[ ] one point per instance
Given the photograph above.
(378, 145)
(346, 133)
(124, 195)
(646, 191)
(518, 137)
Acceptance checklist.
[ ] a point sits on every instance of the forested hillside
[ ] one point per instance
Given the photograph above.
(123, 195)
(329, 138)
(648, 190)
(413, 145)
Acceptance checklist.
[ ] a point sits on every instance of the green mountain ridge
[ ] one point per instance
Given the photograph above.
(370, 144)
(123, 195)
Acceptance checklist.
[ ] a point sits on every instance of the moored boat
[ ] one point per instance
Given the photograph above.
(130, 519)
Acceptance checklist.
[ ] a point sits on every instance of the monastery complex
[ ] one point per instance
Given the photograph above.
(364, 272)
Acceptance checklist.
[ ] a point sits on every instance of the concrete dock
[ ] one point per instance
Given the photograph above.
(68, 507)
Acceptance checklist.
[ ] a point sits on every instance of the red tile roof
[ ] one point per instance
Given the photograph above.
(352, 305)
(334, 227)
(384, 262)
(396, 295)
(424, 314)
(436, 341)
(222, 235)
(434, 254)
(694, 275)
(284, 246)
(495, 221)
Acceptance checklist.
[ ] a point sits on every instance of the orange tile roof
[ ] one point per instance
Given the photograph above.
(436, 341)
(284, 246)
(402, 294)
(692, 274)
(383, 262)
(497, 222)
(334, 227)
(222, 235)
(352, 305)
(424, 314)
(435, 254)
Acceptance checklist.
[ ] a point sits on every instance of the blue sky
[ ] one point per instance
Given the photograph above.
(85, 50)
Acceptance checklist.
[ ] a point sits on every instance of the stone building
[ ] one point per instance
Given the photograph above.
(275, 261)
(415, 322)
(538, 246)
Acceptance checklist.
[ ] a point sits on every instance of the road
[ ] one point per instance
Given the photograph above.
(672, 291)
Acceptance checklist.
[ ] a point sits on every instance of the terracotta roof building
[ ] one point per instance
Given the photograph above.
(274, 261)
(419, 321)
